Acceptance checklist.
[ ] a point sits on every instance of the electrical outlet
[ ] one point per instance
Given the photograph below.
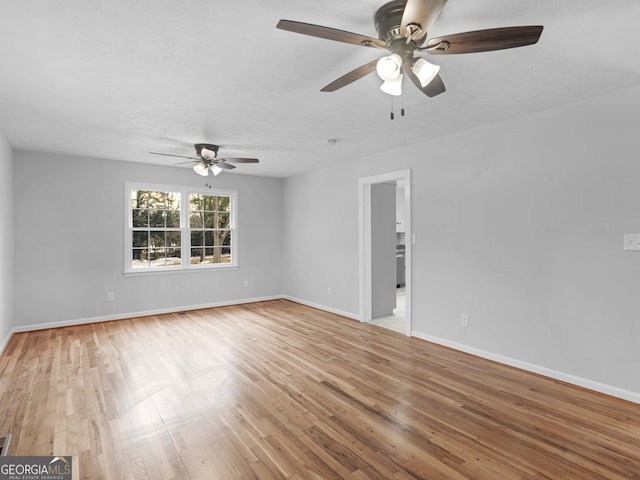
(329, 291)
(110, 297)
(464, 320)
(631, 241)
(245, 284)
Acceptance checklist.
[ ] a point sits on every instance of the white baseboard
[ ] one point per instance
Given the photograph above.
(354, 316)
(529, 367)
(146, 313)
(4, 344)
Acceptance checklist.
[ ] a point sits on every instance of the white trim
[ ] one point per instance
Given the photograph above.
(4, 344)
(530, 367)
(364, 236)
(145, 313)
(342, 313)
(172, 270)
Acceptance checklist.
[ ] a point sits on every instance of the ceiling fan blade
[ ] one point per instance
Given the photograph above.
(433, 88)
(422, 13)
(329, 33)
(351, 77)
(224, 165)
(484, 40)
(241, 160)
(184, 163)
(178, 156)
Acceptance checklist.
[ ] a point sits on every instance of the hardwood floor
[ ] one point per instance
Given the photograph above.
(279, 390)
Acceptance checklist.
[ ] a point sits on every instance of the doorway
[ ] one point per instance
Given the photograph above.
(378, 195)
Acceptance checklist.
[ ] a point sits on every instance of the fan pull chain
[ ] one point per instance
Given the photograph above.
(392, 115)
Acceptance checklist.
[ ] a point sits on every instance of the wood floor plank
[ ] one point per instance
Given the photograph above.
(277, 390)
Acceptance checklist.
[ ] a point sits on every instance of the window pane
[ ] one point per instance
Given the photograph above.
(157, 238)
(139, 198)
(196, 220)
(210, 219)
(140, 258)
(197, 255)
(224, 204)
(208, 238)
(157, 199)
(173, 239)
(173, 201)
(210, 203)
(223, 220)
(156, 218)
(197, 238)
(164, 257)
(140, 239)
(195, 202)
(173, 218)
(220, 237)
(156, 254)
(156, 257)
(140, 217)
(173, 256)
(221, 256)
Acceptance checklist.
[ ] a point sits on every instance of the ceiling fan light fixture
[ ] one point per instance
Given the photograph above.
(425, 71)
(389, 68)
(392, 87)
(201, 169)
(215, 169)
(207, 154)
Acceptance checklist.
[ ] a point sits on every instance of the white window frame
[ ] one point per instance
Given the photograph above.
(185, 230)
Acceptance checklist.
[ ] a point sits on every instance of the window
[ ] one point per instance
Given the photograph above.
(155, 233)
(175, 228)
(209, 221)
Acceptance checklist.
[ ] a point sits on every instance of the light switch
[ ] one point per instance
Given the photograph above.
(632, 241)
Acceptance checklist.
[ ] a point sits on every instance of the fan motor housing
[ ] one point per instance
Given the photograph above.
(208, 146)
(388, 19)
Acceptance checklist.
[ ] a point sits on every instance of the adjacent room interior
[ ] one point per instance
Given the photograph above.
(214, 269)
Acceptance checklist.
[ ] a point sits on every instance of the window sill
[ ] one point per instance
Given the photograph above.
(174, 270)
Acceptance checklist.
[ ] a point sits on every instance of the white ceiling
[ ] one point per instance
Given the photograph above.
(118, 79)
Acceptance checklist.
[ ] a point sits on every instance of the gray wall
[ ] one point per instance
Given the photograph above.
(6, 240)
(321, 240)
(70, 242)
(383, 249)
(518, 224)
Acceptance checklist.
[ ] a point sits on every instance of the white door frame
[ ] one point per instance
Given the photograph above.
(364, 232)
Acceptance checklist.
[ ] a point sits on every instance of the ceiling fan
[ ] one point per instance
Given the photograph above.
(402, 27)
(207, 159)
